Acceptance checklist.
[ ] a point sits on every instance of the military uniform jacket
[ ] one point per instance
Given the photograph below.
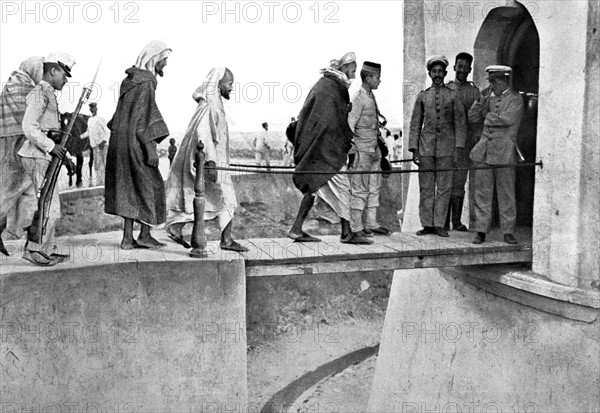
(363, 121)
(41, 116)
(468, 93)
(502, 117)
(438, 123)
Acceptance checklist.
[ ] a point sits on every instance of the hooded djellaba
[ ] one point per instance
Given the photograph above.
(14, 184)
(209, 125)
(134, 189)
(323, 136)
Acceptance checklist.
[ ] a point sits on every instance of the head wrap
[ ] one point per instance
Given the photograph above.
(30, 71)
(346, 59)
(209, 89)
(14, 94)
(154, 52)
(433, 60)
(336, 64)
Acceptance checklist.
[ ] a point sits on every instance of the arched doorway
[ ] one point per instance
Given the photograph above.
(508, 36)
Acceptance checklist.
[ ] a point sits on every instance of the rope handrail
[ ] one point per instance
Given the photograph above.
(393, 171)
(240, 165)
(198, 236)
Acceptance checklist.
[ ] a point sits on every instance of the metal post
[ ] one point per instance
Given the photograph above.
(198, 235)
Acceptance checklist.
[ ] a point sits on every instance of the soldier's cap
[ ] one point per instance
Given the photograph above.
(464, 56)
(434, 60)
(371, 67)
(64, 60)
(497, 72)
(93, 105)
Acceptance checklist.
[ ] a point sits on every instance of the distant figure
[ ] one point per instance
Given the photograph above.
(98, 133)
(172, 150)
(389, 143)
(262, 150)
(288, 146)
(208, 125)
(134, 188)
(77, 145)
(397, 149)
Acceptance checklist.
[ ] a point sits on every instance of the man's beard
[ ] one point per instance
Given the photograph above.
(225, 94)
(160, 73)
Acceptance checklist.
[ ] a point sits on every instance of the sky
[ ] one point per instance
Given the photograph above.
(275, 50)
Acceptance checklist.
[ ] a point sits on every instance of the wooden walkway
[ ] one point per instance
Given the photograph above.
(272, 257)
(281, 256)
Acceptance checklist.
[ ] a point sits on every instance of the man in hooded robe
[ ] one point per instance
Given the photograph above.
(209, 125)
(322, 141)
(134, 188)
(17, 195)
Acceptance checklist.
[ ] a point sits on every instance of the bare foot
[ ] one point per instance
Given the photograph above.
(302, 237)
(150, 242)
(130, 245)
(233, 246)
(176, 234)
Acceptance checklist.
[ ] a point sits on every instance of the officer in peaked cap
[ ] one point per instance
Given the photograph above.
(437, 140)
(501, 112)
(468, 93)
(42, 118)
(498, 72)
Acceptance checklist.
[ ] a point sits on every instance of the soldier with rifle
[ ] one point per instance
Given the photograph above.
(41, 123)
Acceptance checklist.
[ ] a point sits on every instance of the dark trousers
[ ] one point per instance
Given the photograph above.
(435, 189)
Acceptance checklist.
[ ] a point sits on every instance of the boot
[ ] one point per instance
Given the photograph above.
(447, 224)
(346, 233)
(457, 207)
(479, 238)
(2, 228)
(510, 239)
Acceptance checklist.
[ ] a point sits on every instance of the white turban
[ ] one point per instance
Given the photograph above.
(154, 52)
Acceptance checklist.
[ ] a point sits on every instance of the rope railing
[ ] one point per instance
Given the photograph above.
(239, 165)
(198, 234)
(252, 169)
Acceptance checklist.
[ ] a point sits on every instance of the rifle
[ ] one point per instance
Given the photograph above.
(37, 229)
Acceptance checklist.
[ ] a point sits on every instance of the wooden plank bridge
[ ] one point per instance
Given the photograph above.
(282, 256)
